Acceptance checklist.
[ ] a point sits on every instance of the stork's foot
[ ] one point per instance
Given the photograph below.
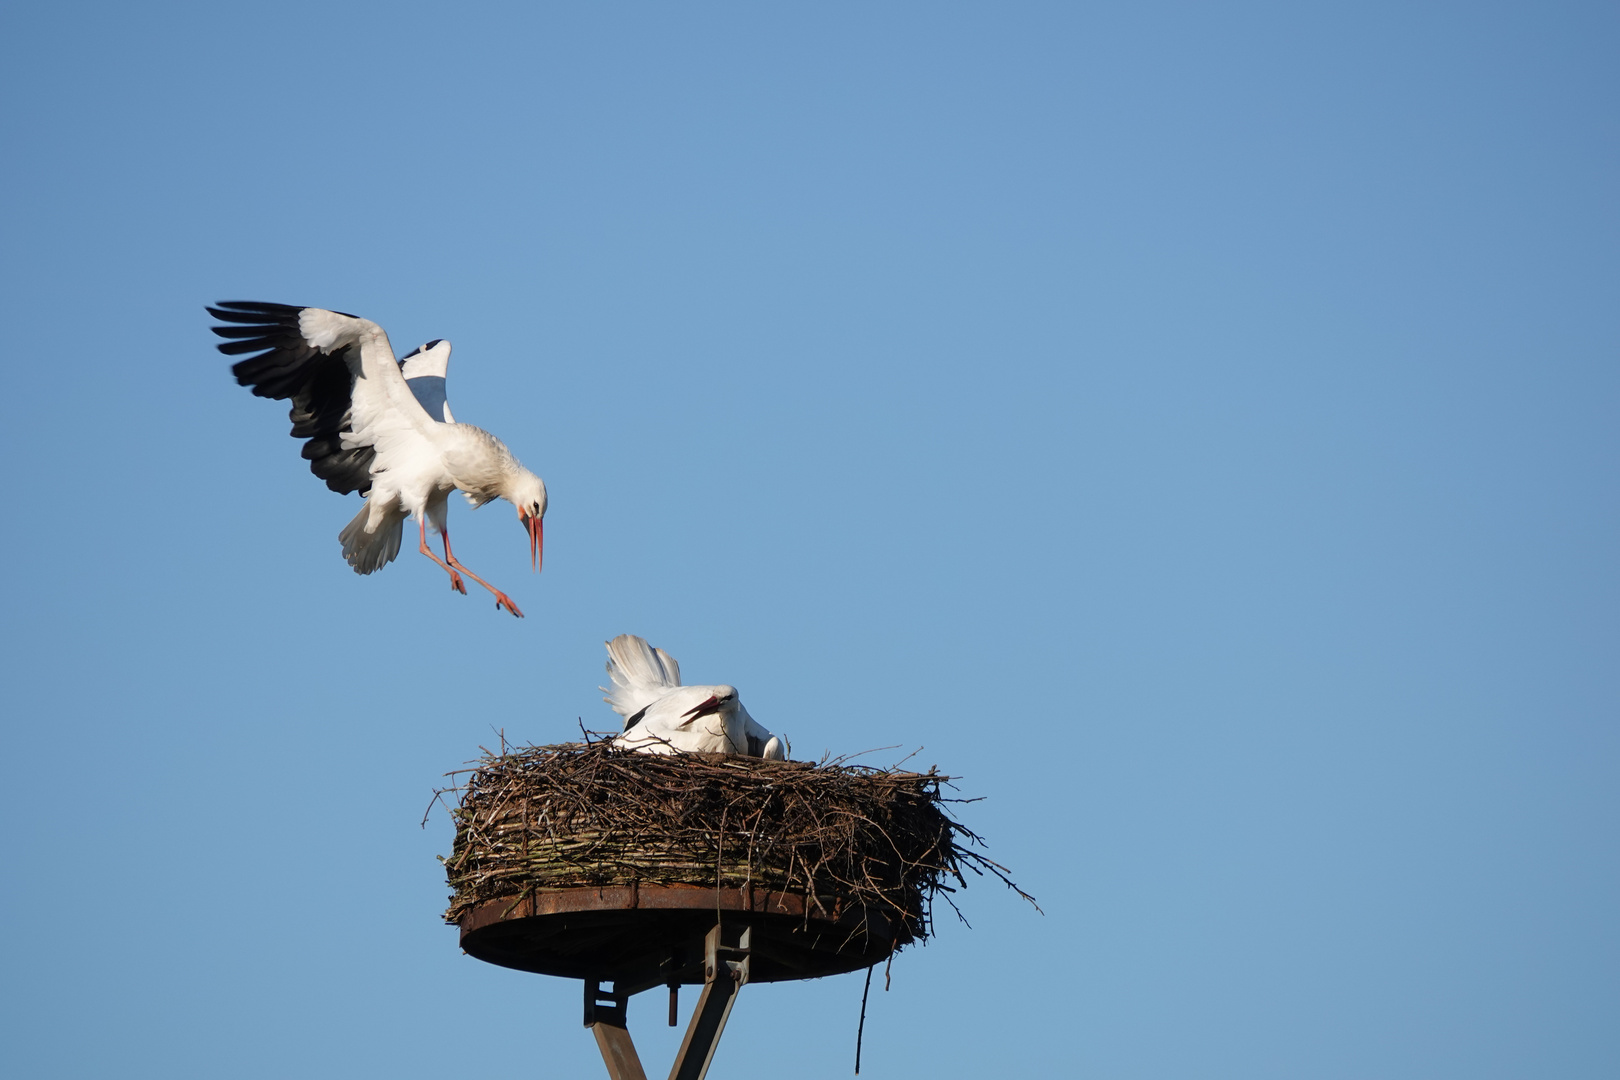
(456, 583)
(501, 599)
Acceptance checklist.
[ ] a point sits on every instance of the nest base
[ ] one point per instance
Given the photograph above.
(640, 936)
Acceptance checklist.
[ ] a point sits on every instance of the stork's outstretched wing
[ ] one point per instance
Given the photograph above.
(347, 391)
(425, 369)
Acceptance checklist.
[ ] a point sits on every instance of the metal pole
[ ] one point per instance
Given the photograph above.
(725, 971)
(605, 1015)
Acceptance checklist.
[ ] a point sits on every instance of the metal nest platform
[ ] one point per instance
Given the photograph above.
(652, 935)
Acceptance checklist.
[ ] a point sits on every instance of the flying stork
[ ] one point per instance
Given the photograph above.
(378, 426)
(663, 717)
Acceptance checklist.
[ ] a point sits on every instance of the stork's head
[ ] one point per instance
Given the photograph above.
(718, 700)
(722, 703)
(527, 492)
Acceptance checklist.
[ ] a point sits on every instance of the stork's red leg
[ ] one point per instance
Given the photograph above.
(455, 578)
(501, 599)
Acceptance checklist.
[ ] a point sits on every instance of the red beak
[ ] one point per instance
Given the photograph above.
(703, 708)
(537, 540)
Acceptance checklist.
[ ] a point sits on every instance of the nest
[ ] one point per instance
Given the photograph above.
(588, 814)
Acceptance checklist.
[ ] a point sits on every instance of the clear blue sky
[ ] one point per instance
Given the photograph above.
(1194, 425)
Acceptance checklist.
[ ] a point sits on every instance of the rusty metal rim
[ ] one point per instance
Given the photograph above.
(668, 898)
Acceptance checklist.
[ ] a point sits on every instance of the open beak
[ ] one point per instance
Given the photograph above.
(703, 708)
(537, 539)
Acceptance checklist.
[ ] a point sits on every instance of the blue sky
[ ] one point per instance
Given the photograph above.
(1193, 425)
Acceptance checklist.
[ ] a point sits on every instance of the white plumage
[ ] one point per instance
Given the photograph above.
(663, 717)
(378, 428)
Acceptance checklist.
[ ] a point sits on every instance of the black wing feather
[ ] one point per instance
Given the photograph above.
(237, 331)
(288, 368)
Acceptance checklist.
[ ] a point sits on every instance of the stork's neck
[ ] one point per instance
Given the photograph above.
(479, 463)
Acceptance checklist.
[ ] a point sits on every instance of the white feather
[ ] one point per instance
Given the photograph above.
(640, 674)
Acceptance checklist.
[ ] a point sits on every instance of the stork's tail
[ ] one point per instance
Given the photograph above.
(367, 551)
(640, 674)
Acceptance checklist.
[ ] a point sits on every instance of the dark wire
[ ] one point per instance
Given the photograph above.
(861, 1030)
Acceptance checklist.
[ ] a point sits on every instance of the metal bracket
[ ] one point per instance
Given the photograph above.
(605, 1015)
(725, 971)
